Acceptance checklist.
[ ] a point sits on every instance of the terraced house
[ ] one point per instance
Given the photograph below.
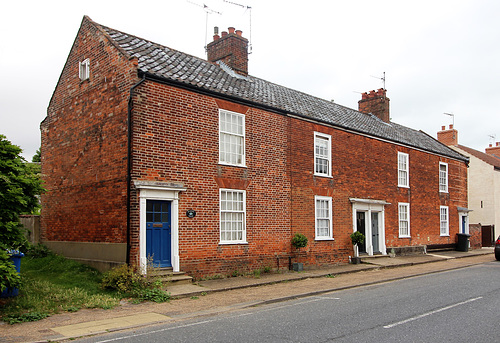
(148, 151)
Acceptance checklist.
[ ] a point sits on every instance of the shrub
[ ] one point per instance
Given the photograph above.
(123, 279)
(38, 251)
(357, 238)
(299, 241)
(127, 280)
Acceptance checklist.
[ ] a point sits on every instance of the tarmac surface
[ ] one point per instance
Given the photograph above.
(211, 297)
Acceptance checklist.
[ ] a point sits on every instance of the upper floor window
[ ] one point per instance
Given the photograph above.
(403, 169)
(323, 216)
(322, 154)
(444, 225)
(231, 138)
(443, 177)
(232, 216)
(84, 69)
(404, 219)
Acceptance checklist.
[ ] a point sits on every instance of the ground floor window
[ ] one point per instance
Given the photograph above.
(444, 226)
(323, 209)
(404, 220)
(232, 216)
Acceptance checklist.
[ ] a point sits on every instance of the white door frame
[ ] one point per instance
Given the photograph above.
(159, 191)
(370, 206)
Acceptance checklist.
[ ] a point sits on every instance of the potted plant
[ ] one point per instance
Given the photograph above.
(356, 238)
(299, 241)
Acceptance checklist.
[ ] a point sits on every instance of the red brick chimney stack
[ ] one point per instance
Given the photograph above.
(448, 137)
(230, 48)
(493, 150)
(376, 103)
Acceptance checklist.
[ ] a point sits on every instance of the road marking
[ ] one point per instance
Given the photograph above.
(327, 298)
(429, 313)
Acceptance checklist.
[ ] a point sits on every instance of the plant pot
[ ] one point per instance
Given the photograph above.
(298, 267)
(355, 260)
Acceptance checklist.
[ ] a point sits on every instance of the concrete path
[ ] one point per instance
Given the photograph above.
(211, 297)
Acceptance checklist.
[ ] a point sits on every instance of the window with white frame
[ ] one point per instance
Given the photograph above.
(444, 222)
(323, 210)
(443, 177)
(404, 219)
(231, 138)
(232, 216)
(322, 154)
(403, 168)
(84, 69)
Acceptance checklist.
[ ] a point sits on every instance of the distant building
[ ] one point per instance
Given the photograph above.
(483, 184)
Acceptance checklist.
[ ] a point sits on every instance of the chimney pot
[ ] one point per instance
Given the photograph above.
(443, 128)
(451, 126)
(230, 48)
(375, 102)
(498, 143)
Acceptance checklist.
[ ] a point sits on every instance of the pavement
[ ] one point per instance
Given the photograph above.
(211, 297)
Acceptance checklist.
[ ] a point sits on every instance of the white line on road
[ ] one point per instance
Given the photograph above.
(429, 313)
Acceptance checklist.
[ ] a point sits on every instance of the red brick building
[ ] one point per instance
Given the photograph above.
(150, 151)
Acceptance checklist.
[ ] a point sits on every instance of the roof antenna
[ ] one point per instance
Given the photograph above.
(493, 138)
(246, 7)
(452, 116)
(208, 11)
(381, 78)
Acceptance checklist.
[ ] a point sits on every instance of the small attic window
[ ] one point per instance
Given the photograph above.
(84, 70)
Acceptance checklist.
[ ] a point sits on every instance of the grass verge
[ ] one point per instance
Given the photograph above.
(53, 284)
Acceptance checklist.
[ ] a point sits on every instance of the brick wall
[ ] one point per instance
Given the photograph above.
(84, 145)
(176, 140)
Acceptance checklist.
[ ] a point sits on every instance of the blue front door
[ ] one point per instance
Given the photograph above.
(158, 233)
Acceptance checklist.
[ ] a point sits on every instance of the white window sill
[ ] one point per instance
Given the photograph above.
(402, 186)
(404, 236)
(443, 191)
(323, 175)
(447, 235)
(324, 239)
(232, 243)
(232, 165)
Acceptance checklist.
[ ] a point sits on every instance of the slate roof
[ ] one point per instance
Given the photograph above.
(165, 63)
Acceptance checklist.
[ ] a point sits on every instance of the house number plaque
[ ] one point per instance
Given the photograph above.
(191, 213)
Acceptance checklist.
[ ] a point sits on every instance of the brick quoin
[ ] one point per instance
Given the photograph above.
(175, 140)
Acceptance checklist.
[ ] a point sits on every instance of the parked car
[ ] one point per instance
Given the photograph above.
(497, 249)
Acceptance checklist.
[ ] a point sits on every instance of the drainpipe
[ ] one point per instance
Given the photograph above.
(129, 160)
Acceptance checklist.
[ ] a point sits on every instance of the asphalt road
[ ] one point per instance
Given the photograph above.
(454, 306)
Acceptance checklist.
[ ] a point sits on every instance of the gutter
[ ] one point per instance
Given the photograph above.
(129, 160)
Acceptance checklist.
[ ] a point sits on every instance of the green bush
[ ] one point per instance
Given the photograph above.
(357, 238)
(123, 279)
(9, 277)
(127, 280)
(38, 251)
(299, 241)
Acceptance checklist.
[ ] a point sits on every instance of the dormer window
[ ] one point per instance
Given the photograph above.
(84, 70)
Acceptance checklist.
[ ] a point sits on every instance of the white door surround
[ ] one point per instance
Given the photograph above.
(151, 190)
(370, 206)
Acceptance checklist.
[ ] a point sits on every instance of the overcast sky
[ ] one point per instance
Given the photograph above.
(439, 56)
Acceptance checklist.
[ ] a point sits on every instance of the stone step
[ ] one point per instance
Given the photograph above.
(167, 275)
